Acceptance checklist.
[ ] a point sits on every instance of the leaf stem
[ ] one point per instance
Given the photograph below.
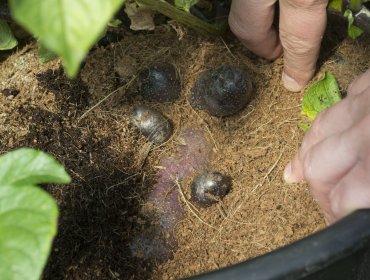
(361, 18)
(188, 19)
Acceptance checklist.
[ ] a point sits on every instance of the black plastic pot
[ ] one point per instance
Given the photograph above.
(339, 252)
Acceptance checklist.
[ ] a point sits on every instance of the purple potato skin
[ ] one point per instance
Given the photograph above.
(148, 248)
(222, 91)
(160, 82)
(209, 188)
(192, 156)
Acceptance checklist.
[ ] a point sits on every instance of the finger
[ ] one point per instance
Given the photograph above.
(313, 162)
(334, 160)
(251, 21)
(302, 25)
(329, 160)
(360, 84)
(330, 122)
(351, 193)
(336, 119)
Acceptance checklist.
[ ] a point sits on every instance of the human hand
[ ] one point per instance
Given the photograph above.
(335, 154)
(302, 25)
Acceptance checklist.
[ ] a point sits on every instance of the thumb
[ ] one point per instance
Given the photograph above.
(302, 25)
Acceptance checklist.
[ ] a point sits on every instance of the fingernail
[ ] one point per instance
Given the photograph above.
(288, 174)
(290, 84)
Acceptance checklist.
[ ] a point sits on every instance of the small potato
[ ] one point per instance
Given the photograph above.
(222, 91)
(152, 124)
(160, 82)
(209, 188)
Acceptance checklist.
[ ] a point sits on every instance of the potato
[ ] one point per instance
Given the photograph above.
(209, 188)
(152, 124)
(222, 91)
(160, 82)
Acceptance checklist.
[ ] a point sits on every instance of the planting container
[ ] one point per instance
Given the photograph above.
(339, 252)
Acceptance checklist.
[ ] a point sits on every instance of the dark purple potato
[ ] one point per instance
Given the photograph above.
(222, 91)
(152, 124)
(160, 82)
(210, 188)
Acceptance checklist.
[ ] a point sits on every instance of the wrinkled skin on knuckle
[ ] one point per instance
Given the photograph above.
(307, 4)
(236, 27)
(249, 20)
(236, 24)
(239, 28)
(297, 45)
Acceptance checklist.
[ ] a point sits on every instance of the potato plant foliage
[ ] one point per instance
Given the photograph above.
(69, 28)
(7, 39)
(28, 214)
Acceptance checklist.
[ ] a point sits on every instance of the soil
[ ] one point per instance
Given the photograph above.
(85, 124)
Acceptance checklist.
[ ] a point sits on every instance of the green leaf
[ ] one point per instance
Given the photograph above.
(28, 214)
(115, 22)
(7, 39)
(336, 5)
(320, 95)
(28, 224)
(356, 4)
(185, 4)
(28, 166)
(45, 55)
(69, 28)
(304, 126)
(353, 31)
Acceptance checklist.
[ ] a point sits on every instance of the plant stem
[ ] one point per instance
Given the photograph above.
(188, 19)
(362, 17)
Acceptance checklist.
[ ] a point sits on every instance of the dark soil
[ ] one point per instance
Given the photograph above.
(85, 124)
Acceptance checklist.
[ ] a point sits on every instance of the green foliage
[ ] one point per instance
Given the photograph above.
(68, 28)
(115, 22)
(304, 126)
(355, 5)
(320, 95)
(7, 40)
(335, 5)
(28, 214)
(45, 55)
(353, 31)
(185, 4)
